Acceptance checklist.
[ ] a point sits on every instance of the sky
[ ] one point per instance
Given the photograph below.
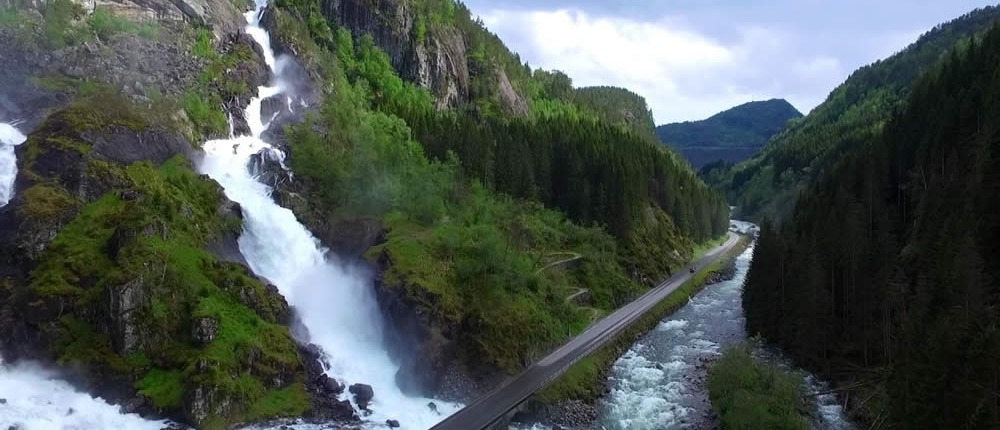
(693, 58)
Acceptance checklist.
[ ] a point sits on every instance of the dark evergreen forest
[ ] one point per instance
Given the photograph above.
(886, 275)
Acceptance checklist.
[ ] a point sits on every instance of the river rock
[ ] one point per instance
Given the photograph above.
(363, 394)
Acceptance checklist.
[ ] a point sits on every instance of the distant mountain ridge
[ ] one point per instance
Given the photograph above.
(732, 135)
(768, 184)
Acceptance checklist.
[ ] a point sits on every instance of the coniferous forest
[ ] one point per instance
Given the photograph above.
(886, 275)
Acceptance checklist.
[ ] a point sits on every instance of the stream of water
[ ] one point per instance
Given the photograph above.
(10, 137)
(660, 382)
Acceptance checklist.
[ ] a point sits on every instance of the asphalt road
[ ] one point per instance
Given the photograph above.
(488, 409)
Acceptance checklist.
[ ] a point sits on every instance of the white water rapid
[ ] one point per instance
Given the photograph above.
(32, 398)
(335, 303)
(9, 138)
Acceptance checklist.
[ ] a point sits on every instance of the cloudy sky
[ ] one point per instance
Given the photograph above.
(693, 58)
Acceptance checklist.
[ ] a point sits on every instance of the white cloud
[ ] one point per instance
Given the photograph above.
(683, 74)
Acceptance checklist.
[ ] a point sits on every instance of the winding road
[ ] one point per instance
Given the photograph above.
(493, 406)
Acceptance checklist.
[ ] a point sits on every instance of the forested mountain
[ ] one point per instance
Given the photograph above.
(567, 151)
(856, 111)
(417, 145)
(730, 136)
(617, 106)
(887, 275)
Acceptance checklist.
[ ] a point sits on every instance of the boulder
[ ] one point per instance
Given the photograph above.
(267, 166)
(323, 390)
(363, 394)
(392, 423)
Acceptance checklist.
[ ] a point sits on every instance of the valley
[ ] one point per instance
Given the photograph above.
(315, 214)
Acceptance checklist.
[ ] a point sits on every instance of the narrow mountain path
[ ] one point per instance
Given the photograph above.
(573, 256)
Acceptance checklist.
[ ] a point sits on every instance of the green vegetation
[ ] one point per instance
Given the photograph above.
(747, 394)
(123, 285)
(585, 379)
(445, 183)
(217, 81)
(886, 275)
(105, 24)
(60, 25)
(617, 106)
(65, 23)
(767, 185)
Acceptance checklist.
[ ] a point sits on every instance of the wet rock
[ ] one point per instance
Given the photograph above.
(433, 407)
(363, 394)
(252, 71)
(331, 385)
(133, 405)
(3, 401)
(267, 166)
(323, 390)
(351, 237)
(124, 301)
(392, 423)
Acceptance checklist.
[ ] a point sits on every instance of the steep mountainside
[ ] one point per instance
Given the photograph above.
(730, 136)
(419, 146)
(556, 153)
(766, 185)
(887, 275)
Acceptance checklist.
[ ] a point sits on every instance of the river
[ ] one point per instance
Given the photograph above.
(661, 381)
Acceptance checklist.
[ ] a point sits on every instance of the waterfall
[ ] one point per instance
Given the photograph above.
(333, 301)
(9, 138)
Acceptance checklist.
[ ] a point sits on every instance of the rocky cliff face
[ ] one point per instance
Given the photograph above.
(52, 57)
(438, 61)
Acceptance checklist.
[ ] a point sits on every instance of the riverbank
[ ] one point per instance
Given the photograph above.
(571, 401)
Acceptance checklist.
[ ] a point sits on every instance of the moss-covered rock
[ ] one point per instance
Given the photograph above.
(108, 276)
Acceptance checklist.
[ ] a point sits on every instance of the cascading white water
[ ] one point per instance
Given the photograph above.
(35, 399)
(334, 303)
(9, 138)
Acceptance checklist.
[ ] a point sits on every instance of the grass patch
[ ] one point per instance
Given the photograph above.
(60, 27)
(584, 380)
(44, 203)
(165, 388)
(204, 109)
(10, 17)
(105, 24)
(289, 401)
(203, 46)
(748, 394)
